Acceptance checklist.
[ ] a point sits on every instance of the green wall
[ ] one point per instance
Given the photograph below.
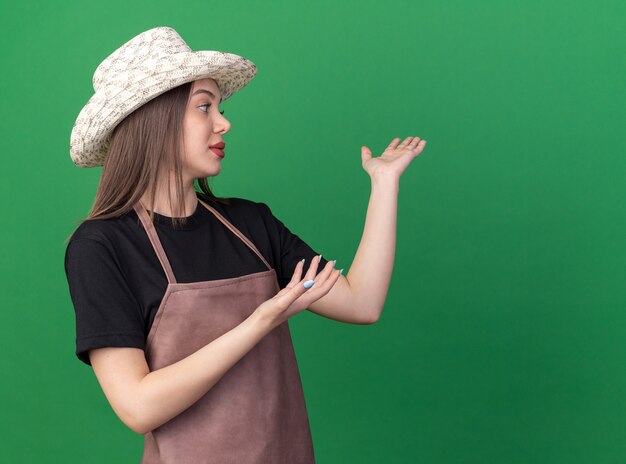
(503, 339)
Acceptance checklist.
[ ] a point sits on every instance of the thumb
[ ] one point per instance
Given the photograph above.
(366, 154)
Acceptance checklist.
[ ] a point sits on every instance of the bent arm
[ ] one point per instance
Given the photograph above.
(360, 296)
(144, 400)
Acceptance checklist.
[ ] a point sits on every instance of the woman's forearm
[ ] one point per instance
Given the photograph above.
(370, 273)
(164, 393)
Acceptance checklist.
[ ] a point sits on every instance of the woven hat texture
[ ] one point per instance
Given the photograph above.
(146, 66)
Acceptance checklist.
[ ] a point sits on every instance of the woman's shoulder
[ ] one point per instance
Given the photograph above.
(105, 231)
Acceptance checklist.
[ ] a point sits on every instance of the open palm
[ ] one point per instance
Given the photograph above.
(396, 157)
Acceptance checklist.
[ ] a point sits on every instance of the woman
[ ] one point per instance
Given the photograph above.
(182, 298)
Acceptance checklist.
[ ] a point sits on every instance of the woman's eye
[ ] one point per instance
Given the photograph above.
(207, 105)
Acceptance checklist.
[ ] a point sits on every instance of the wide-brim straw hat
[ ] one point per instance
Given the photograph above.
(146, 66)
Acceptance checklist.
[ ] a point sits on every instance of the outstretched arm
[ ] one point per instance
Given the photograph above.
(359, 297)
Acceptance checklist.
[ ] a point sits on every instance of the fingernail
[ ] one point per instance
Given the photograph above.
(341, 271)
(309, 283)
(302, 260)
(334, 262)
(320, 257)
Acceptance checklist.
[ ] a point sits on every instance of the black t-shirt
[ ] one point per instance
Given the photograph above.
(116, 280)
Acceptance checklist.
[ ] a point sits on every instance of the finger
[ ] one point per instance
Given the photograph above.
(394, 143)
(290, 294)
(332, 280)
(420, 146)
(414, 142)
(320, 289)
(405, 142)
(295, 278)
(310, 275)
(321, 277)
(326, 281)
(297, 274)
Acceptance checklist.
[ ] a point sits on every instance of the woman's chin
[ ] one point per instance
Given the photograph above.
(211, 168)
(206, 171)
(214, 171)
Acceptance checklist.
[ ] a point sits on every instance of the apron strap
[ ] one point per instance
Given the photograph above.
(154, 239)
(236, 231)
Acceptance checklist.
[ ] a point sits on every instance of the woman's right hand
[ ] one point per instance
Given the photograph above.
(295, 296)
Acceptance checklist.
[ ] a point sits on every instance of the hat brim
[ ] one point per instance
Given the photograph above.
(110, 104)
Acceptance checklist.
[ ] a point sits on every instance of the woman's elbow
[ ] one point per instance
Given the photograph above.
(374, 316)
(137, 422)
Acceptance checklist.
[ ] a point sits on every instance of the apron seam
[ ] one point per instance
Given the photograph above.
(243, 278)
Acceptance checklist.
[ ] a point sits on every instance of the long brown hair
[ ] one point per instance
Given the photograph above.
(142, 148)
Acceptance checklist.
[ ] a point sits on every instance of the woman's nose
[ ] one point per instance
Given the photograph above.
(222, 124)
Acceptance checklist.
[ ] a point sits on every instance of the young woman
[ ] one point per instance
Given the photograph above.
(182, 298)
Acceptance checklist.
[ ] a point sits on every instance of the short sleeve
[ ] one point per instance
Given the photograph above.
(291, 248)
(107, 312)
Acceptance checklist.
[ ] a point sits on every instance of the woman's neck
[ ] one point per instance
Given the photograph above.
(162, 206)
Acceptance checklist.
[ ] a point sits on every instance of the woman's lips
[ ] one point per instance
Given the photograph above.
(218, 152)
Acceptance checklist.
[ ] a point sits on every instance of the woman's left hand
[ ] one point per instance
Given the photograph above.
(394, 159)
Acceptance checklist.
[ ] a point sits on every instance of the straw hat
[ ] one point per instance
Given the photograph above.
(146, 66)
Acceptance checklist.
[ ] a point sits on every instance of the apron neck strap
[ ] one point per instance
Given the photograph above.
(158, 247)
(154, 239)
(237, 232)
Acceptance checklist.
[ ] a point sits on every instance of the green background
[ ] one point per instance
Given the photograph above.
(503, 339)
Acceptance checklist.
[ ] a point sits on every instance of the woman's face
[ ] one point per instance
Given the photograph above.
(203, 126)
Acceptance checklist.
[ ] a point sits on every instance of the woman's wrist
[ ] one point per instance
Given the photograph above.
(259, 323)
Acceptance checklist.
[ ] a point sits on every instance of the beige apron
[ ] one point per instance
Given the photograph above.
(256, 413)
